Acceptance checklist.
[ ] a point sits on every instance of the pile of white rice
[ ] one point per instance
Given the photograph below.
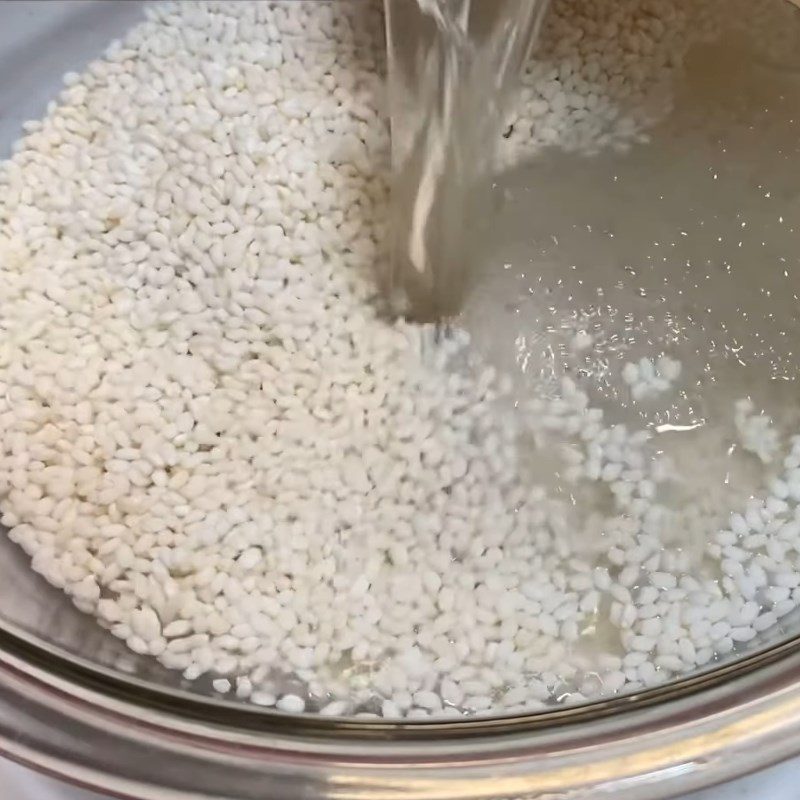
(214, 443)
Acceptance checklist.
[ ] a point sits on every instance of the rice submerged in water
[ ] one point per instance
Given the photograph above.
(214, 443)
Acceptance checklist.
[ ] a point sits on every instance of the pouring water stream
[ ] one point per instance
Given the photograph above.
(453, 65)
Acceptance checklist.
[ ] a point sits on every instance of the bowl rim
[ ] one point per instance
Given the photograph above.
(116, 734)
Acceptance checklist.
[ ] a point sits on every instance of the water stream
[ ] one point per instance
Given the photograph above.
(452, 67)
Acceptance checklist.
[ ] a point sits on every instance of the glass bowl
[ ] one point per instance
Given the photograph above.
(77, 703)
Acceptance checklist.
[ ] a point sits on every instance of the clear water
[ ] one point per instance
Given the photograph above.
(452, 67)
(688, 245)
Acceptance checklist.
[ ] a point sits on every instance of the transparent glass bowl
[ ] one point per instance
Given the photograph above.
(75, 702)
